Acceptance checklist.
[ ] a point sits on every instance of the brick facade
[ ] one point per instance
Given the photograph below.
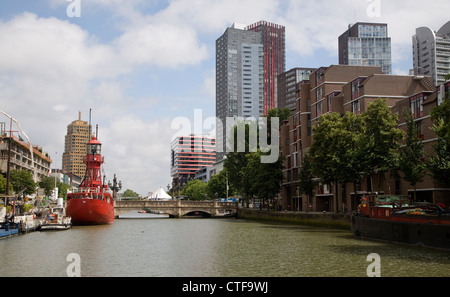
(342, 88)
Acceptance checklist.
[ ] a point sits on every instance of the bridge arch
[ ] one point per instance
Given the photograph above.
(178, 208)
(198, 213)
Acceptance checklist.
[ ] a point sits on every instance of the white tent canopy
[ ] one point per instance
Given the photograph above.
(160, 194)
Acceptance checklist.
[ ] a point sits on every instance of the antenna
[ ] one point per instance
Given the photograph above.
(89, 124)
(96, 131)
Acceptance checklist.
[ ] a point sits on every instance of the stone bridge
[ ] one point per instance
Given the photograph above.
(178, 208)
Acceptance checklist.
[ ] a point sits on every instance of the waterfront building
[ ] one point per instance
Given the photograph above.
(248, 60)
(188, 155)
(431, 53)
(366, 44)
(75, 147)
(341, 88)
(239, 61)
(286, 86)
(20, 155)
(421, 104)
(273, 41)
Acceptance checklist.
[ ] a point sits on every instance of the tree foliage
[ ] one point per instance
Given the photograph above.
(195, 190)
(307, 182)
(3, 184)
(439, 164)
(380, 140)
(48, 184)
(265, 178)
(218, 185)
(247, 175)
(346, 148)
(411, 162)
(21, 180)
(130, 194)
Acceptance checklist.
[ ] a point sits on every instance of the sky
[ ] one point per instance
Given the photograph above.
(142, 65)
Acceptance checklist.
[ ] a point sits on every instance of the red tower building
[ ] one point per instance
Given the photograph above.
(273, 40)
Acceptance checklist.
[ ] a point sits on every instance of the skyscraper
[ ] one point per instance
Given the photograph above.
(239, 78)
(286, 86)
(431, 53)
(248, 60)
(189, 154)
(273, 40)
(366, 44)
(75, 147)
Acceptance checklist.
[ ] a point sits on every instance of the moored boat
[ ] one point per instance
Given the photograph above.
(91, 204)
(8, 229)
(397, 219)
(56, 219)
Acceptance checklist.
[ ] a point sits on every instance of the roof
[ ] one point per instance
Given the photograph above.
(160, 194)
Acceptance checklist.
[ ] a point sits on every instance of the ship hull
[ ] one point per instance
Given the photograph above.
(90, 212)
(416, 233)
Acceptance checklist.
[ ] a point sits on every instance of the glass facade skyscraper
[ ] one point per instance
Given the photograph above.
(366, 44)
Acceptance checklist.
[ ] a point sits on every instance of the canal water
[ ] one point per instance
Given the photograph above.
(155, 247)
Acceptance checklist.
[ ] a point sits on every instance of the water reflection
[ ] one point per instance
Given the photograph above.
(211, 247)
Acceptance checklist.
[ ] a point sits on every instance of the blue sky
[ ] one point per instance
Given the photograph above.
(141, 64)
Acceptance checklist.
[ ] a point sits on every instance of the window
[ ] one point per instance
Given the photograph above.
(319, 108)
(356, 107)
(356, 86)
(416, 106)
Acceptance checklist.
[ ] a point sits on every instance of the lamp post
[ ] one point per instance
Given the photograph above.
(115, 187)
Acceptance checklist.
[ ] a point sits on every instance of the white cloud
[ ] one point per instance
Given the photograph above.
(51, 68)
(138, 149)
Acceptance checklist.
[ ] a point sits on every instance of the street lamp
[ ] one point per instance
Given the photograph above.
(115, 187)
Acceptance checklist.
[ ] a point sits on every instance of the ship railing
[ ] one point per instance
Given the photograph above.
(90, 193)
(87, 190)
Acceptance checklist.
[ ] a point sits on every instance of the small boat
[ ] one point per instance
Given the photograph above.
(56, 219)
(8, 229)
(397, 219)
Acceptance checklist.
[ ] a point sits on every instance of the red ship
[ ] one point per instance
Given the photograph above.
(91, 204)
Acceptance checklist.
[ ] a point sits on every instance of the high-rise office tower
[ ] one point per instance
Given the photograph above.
(75, 147)
(188, 155)
(366, 44)
(239, 79)
(273, 40)
(287, 82)
(248, 59)
(431, 53)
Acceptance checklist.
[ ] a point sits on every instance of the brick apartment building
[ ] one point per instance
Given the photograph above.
(342, 88)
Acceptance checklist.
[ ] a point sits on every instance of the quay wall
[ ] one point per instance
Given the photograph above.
(329, 220)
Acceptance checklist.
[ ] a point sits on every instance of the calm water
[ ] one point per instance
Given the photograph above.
(210, 248)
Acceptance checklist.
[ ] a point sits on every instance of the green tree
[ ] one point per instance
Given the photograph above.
(62, 189)
(22, 179)
(380, 141)
(352, 153)
(307, 182)
(218, 185)
(328, 151)
(3, 184)
(130, 194)
(265, 178)
(48, 184)
(195, 190)
(411, 155)
(236, 162)
(439, 164)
